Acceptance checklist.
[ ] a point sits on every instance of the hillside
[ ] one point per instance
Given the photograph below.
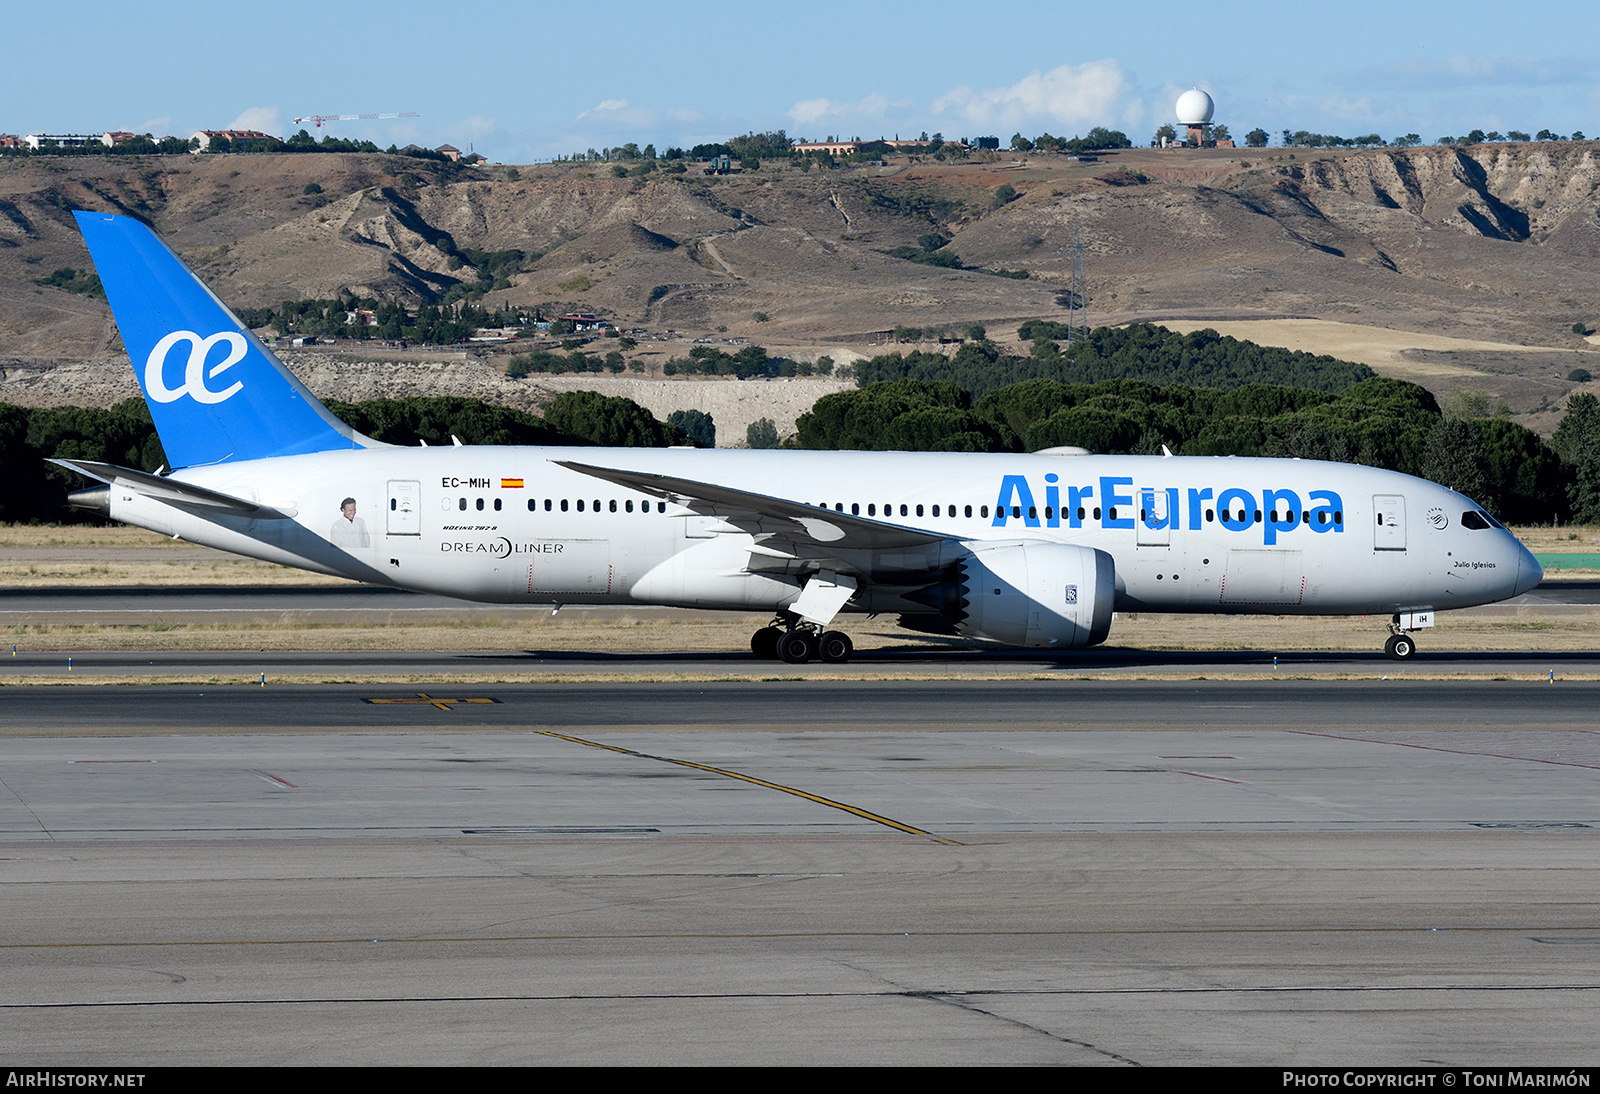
(1496, 244)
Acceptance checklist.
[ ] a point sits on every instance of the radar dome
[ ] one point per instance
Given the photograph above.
(1194, 107)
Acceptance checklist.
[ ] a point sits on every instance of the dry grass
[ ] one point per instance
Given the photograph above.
(1580, 539)
(1378, 348)
(83, 535)
(625, 632)
(225, 571)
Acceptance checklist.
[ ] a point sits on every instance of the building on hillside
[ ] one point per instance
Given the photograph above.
(11, 140)
(36, 141)
(450, 152)
(833, 148)
(585, 322)
(845, 148)
(111, 140)
(204, 137)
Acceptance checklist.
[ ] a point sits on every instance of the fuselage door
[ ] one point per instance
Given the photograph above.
(1388, 522)
(1157, 508)
(405, 508)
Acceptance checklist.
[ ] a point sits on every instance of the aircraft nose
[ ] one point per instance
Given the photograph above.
(1529, 572)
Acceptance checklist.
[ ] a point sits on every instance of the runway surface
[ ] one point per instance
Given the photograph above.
(64, 603)
(1058, 871)
(279, 666)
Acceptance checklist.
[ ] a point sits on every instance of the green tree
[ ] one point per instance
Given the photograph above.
(1526, 478)
(1455, 458)
(609, 420)
(697, 425)
(1577, 441)
(762, 433)
(1256, 138)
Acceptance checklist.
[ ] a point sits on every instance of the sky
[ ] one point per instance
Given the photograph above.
(525, 82)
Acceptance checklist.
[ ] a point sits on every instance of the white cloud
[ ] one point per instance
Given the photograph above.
(619, 113)
(477, 126)
(1089, 94)
(263, 119)
(1475, 70)
(874, 108)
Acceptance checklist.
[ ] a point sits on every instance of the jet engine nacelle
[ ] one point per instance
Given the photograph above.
(1037, 594)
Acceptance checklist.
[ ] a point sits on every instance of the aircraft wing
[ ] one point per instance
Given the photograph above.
(818, 531)
(168, 489)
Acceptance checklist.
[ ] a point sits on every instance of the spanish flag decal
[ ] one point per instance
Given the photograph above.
(511, 484)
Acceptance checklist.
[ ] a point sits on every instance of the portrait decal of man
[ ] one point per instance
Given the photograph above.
(349, 530)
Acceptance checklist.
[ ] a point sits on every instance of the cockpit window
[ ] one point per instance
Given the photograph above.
(1475, 520)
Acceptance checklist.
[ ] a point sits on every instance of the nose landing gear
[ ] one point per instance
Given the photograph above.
(1401, 646)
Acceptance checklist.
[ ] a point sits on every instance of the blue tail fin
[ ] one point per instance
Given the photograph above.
(215, 392)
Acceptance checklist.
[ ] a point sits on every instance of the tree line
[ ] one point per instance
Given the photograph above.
(1139, 351)
(125, 435)
(148, 145)
(1378, 422)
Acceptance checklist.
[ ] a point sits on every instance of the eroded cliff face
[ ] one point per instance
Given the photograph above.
(1543, 193)
(1490, 241)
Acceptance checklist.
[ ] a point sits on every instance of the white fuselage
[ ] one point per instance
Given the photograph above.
(1199, 534)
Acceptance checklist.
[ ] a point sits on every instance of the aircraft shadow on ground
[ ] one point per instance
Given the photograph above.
(1077, 660)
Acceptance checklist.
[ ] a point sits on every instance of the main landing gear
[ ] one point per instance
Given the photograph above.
(797, 643)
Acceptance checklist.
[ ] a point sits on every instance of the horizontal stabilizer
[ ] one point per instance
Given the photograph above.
(169, 490)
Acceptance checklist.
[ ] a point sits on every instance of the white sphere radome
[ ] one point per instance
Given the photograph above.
(1195, 107)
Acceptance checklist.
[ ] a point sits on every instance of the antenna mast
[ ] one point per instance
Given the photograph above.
(1077, 296)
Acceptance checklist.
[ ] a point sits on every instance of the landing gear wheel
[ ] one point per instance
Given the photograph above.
(1400, 647)
(764, 643)
(835, 647)
(797, 647)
